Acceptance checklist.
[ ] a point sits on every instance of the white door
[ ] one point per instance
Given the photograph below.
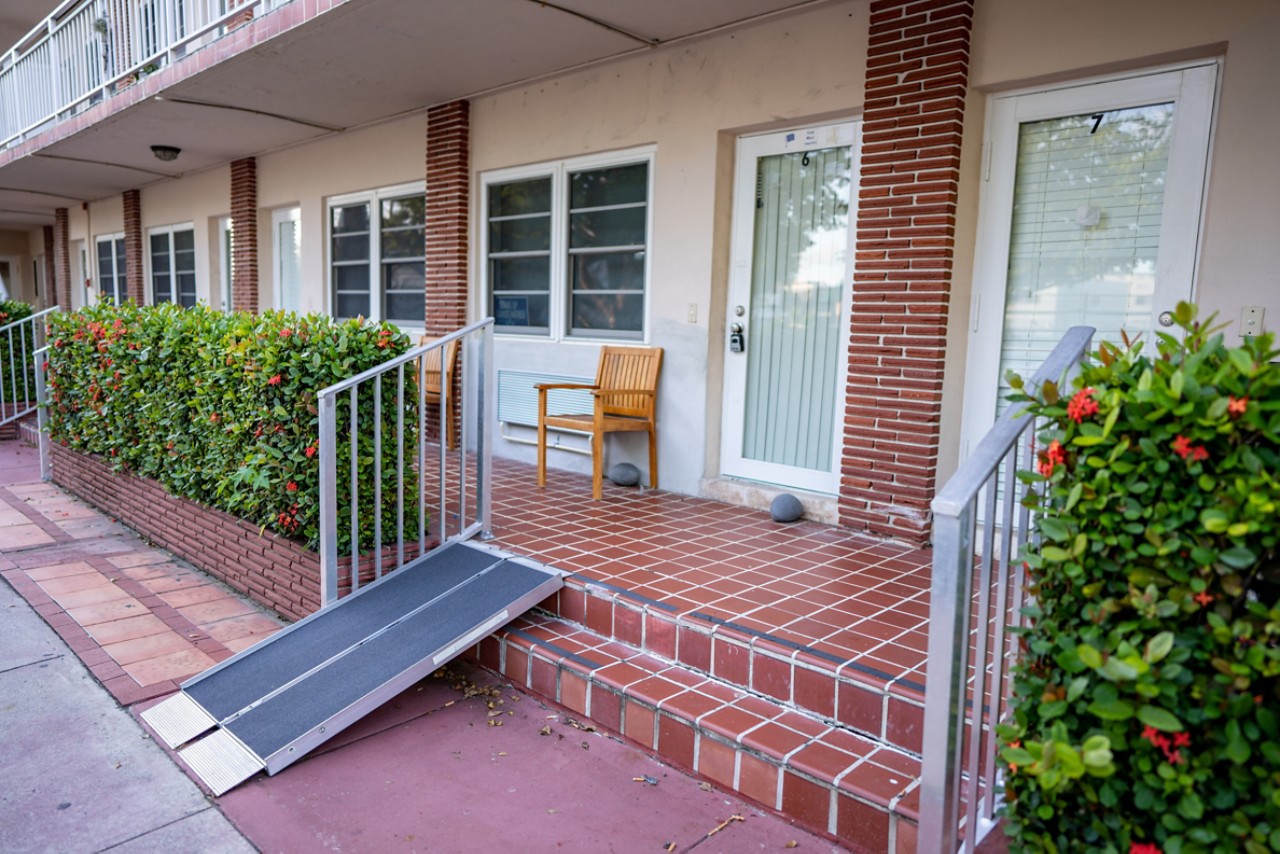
(79, 272)
(790, 277)
(1089, 215)
(287, 247)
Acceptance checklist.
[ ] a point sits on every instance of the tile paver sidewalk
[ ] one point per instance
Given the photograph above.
(140, 619)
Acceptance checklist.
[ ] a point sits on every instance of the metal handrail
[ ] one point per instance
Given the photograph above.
(19, 375)
(475, 441)
(951, 709)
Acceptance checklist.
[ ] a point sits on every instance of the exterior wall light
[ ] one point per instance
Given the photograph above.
(167, 153)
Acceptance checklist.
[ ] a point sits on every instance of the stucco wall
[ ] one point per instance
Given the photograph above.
(681, 100)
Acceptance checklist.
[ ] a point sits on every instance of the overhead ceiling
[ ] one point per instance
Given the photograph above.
(362, 61)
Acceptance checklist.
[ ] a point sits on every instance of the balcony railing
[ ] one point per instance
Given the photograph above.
(979, 528)
(88, 50)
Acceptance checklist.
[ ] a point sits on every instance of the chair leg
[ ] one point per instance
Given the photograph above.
(653, 460)
(542, 454)
(597, 465)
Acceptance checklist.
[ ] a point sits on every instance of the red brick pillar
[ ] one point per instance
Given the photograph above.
(244, 227)
(448, 185)
(48, 296)
(61, 260)
(135, 284)
(917, 77)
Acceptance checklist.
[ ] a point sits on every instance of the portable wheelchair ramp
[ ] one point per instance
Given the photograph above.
(272, 703)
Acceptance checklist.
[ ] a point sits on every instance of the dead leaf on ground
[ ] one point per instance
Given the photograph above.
(704, 786)
(792, 844)
(546, 730)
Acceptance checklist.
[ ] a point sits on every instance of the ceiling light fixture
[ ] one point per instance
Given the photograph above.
(167, 153)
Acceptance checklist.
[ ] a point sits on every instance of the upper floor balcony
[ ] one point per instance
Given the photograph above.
(87, 91)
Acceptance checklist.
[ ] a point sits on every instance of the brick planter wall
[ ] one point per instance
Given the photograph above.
(276, 572)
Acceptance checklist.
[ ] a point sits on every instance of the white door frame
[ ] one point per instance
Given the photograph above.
(281, 215)
(1193, 89)
(749, 149)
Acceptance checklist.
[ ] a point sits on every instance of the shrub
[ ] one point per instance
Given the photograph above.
(13, 385)
(1145, 710)
(222, 408)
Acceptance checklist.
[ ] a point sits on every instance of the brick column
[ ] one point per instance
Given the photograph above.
(49, 296)
(917, 77)
(448, 185)
(244, 227)
(61, 260)
(135, 284)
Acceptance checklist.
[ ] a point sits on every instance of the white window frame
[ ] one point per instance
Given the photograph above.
(170, 230)
(279, 216)
(120, 277)
(374, 199)
(559, 293)
(226, 260)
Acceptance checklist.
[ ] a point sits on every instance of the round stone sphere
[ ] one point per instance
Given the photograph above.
(624, 474)
(786, 508)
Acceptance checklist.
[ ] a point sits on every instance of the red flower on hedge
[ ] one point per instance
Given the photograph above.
(1182, 447)
(1237, 406)
(291, 486)
(274, 380)
(1052, 457)
(1144, 848)
(1082, 405)
(285, 333)
(311, 449)
(1204, 597)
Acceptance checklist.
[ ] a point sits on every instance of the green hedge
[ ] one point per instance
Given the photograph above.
(12, 384)
(222, 408)
(1146, 702)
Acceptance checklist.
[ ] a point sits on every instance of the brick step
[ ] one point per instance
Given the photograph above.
(885, 706)
(835, 781)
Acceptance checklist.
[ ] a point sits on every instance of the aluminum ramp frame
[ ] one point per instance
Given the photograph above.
(272, 703)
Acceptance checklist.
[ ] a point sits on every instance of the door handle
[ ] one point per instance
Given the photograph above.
(1166, 318)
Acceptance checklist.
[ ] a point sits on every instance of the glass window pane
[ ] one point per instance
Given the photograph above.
(411, 210)
(405, 276)
(351, 277)
(122, 256)
(520, 274)
(515, 311)
(404, 307)
(613, 312)
(352, 305)
(351, 218)
(187, 289)
(520, 197)
(618, 185)
(612, 271)
(160, 286)
(184, 262)
(351, 247)
(622, 227)
(408, 243)
(184, 241)
(159, 244)
(520, 235)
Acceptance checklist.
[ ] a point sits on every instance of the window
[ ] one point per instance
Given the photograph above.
(566, 247)
(112, 286)
(379, 237)
(173, 265)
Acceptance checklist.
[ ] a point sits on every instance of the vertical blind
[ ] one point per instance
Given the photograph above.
(797, 279)
(1087, 203)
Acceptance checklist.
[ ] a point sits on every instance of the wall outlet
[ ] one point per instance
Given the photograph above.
(693, 312)
(1251, 321)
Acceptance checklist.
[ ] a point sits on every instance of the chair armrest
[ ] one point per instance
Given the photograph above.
(546, 386)
(608, 392)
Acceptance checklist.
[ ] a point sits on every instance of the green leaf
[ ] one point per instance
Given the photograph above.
(1054, 528)
(1158, 647)
(1161, 719)
(1237, 747)
(1176, 383)
(1111, 710)
(1118, 670)
(1054, 554)
(1214, 520)
(1090, 656)
(1238, 557)
(1076, 688)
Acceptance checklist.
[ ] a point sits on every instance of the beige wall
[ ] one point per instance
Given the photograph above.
(683, 100)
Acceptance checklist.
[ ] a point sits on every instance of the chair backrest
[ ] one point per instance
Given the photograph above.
(433, 362)
(630, 367)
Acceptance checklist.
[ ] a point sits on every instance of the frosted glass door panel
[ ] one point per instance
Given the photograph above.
(797, 279)
(1088, 201)
(289, 259)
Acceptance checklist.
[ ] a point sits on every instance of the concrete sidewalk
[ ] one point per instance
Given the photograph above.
(462, 761)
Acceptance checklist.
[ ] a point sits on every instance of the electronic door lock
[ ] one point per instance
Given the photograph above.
(737, 339)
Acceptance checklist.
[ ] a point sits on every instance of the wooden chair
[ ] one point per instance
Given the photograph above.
(436, 380)
(626, 399)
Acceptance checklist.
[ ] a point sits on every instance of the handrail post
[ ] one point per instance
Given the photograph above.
(484, 435)
(42, 418)
(328, 444)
